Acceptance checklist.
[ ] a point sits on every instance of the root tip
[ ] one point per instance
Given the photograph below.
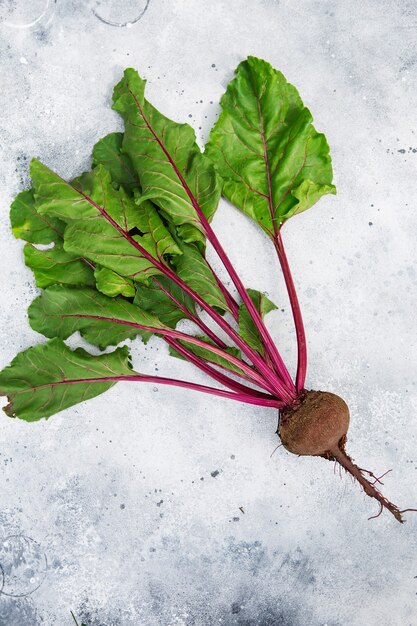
(339, 454)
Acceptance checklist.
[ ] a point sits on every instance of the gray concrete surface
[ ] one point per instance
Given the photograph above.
(110, 509)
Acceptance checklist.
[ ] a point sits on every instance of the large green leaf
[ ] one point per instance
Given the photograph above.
(171, 168)
(90, 204)
(56, 197)
(247, 328)
(50, 377)
(153, 299)
(83, 197)
(273, 161)
(27, 224)
(55, 265)
(60, 311)
(94, 210)
(108, 152)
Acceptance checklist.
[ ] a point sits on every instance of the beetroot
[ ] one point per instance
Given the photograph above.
(128, 259)
(316, 425)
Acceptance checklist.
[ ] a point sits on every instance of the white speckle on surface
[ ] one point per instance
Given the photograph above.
(23, 60)
(303, 552)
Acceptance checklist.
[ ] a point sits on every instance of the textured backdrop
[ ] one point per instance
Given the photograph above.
(152, 506)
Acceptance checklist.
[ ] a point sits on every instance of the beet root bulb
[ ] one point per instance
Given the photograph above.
(317, 425)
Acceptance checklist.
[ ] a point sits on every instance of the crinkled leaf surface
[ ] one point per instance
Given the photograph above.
(189, 234)
(247, 328)
(149, 221)
(99, 218)
(91, 234)
(56, 197)
(100, 242)
(56, 266)
(60, 311)
(273, 161)
(27, 224)
(50, 377)
(108, 152)
(166, 157)
(112, 284)
(83, 197)
(154, 299)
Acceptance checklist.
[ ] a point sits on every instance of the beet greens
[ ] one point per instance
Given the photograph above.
(128, 258)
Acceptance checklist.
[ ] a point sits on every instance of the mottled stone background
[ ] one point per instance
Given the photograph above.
(127, 509)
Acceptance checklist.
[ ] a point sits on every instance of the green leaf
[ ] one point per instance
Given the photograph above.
(90, 204)
(154, 300)
(50, 377)
(112, 284)
(145, 215)
(207, 355)
(193, 269)
(308, 193)
(166, 157)
(108, 152)
(55, 265)
(27, 224)
(60, 311)
(273, 161)
(55, 197)
(149, 221)
(97, 240)
(82, 198)
(247, 328)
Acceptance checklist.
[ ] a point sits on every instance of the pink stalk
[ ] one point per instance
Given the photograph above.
(176, 334)
(229, 370)
(174, 382)
(296, 311)
(211, 236)
(233, 372)
(267, 341)
(194, 318)
(211, 371)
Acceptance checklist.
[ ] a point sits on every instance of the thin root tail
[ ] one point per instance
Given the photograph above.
(339, 454)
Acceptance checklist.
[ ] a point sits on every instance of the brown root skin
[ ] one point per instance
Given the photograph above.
(316, 425)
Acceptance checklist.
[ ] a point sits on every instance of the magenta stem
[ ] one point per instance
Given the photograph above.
(211, 371)
(174, 382)
(229, 370)
(296, 311)
(267, 341)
